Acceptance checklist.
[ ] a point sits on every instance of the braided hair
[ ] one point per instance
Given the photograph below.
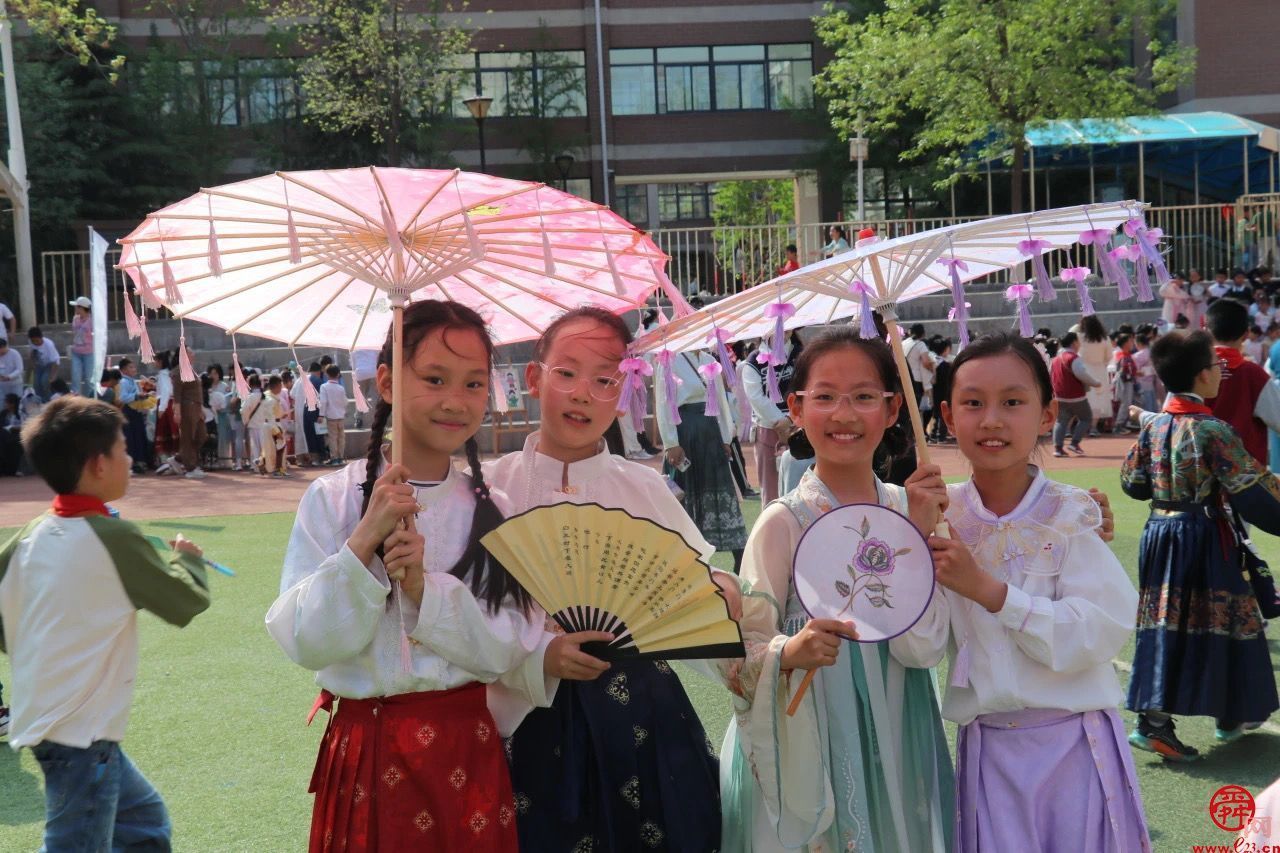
(488, 579)
(612, 322)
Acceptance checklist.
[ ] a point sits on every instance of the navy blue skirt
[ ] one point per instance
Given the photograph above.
(1201, 648)
(617, 764)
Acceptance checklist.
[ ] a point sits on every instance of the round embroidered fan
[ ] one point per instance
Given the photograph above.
(601, 569)
(867, 563)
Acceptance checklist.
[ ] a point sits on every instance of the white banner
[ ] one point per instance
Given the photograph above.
(101, 304)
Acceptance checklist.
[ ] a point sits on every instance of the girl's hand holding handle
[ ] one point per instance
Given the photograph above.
(565, 658)
(926, 498)
(817, 644)
(402, 555)
(392, 501)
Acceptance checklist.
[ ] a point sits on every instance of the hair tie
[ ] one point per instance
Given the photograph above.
(482, 493)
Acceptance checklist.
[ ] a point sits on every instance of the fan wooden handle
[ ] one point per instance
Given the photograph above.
(804, 686)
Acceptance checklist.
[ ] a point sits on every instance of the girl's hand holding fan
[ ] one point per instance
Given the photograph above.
(817, 644)
(566, 659)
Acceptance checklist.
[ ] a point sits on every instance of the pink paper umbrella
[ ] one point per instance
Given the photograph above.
(330, 258)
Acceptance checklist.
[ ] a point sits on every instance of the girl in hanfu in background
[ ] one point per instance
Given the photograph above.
(619, 762)
(411, 759)
(1035, 608)
(863, 765)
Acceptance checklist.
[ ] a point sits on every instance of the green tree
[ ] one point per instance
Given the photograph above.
(752, 254)
(82, 34)
(540, 105)
(979, 73)
(383, 68)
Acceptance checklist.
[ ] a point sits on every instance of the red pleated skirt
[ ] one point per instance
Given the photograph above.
(418, 771)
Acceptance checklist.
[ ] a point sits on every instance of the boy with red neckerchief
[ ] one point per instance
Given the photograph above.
(1201, 647)
(1247, 399)
(71, 583)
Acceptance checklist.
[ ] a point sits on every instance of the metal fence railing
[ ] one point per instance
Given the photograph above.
(65, 276)
(726, 260)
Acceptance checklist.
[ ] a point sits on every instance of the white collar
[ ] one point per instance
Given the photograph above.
(1038, 483)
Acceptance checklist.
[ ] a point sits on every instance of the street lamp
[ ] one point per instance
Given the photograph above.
(564, 162)
(858, 151)
(478, 106)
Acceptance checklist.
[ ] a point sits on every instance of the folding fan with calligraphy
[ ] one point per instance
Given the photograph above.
(598, 569)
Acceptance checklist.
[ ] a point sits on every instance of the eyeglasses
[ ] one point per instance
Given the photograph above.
(566, 380)
(826, 402)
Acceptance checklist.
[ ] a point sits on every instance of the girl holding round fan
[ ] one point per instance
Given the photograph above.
(863, 763)
(1033, 609)
(403, 635)
(619, 760)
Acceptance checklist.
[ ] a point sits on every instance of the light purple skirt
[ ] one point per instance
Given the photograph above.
(1047, 781)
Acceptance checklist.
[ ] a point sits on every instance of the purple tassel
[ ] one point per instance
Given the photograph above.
(1022, 294)
(711, 372)
(1078, 275)
(771, 377)
(962, 322)
(1114, 259)
(670, 383)
(779, 311)
(1035, 249)
(866, 319)
(720, 336)
(633, 397)
(1142, 278)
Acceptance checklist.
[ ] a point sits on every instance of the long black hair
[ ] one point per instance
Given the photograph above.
(612, 322)
(489, 580)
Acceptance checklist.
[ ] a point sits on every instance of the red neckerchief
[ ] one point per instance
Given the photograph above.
(1231, 356)
(74, 506)
(1179, 405)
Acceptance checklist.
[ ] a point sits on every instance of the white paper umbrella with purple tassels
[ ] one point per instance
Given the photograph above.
(880, 274)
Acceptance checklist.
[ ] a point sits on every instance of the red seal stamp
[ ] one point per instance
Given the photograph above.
(1231, 808)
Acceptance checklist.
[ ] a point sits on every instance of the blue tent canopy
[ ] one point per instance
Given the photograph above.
(1209, 152)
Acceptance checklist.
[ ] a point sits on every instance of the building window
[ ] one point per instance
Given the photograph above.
(631, 202)
(269, 90)
(649, 81)
(683, 202)
(547, 83)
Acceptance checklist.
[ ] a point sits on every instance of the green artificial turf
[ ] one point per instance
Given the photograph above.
(218, 720)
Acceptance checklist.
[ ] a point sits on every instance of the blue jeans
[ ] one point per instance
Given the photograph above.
(82, 382)
(40, 380)
(96, 800)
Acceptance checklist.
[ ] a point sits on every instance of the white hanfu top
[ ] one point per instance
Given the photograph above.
(340, 619)
(1069, 610)
(529, 479)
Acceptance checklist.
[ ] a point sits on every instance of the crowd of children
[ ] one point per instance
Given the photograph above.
(460, 717)
(186, 428)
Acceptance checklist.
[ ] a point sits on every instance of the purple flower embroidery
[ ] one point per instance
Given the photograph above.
(874, 556)
(872, 562)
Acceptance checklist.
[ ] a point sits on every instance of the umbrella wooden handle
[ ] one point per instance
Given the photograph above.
(804, 686)
(397, 381)
(908, 391)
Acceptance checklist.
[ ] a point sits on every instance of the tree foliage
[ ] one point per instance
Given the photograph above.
(378, 67)
(80, 33)
(979, 73)
(537, 103)
(750, 254)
